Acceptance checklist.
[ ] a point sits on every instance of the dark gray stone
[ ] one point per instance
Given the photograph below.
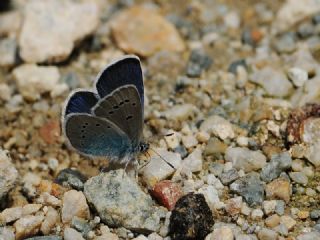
(250, 187)
(191, 218)
(278, 163)
(234, 65)
(198, 62)
(181, 150)
(71, 178)
(81, 225)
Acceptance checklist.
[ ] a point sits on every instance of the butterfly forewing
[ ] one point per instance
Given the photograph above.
(122, 72)
(81, 101)
(93, 136)
(123, 108)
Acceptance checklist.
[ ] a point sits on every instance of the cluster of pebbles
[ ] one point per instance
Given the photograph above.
(236, 85)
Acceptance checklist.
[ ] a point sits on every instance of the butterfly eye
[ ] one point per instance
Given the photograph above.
(98, 125)
(127, 100)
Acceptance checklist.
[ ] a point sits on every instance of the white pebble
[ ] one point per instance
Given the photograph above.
(298, 76)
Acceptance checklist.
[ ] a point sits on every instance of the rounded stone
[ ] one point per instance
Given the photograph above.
(144, 32)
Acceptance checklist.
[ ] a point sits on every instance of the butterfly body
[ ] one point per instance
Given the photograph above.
(108, 120)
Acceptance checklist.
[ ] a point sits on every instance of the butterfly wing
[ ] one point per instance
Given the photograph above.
(123, 108)
(122, 72)
(80, 101)
(93, 136)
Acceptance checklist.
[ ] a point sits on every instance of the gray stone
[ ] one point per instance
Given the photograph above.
(180, 112)
(219, 126)
(216, 168)
(50, 28)
(280, 207)
(316, 18)
(198, 62)
(245, 159)
(297, 76)
(8, 49)
(303, 59)
(250, 188)
(299, 177)
(193, 162)
(286, 43)
(309, 236)
(229, 176)
(305, 30)
(315, 214)
(157, 169)
(72, 234)
(8, 175)
(273, 81)
(278, 163)
(71, 178)
(120, 202)
(52, 237)
(234, 65)
(6, 233)
(81, 225)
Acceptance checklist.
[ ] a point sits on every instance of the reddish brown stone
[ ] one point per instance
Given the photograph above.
(256, 35)
(297, 118)
(167, 193)
(50, 132)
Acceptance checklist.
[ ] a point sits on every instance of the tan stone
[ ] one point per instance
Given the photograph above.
(272, 221)
(144, 32)
(27, 226)
(74, 204)
(279, 189)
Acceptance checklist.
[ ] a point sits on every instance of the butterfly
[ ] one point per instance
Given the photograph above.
(108, 120)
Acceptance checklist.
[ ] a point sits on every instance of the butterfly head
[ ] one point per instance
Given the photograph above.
(143, 147)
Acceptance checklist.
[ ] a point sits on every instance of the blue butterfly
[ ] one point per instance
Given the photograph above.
(108, 121)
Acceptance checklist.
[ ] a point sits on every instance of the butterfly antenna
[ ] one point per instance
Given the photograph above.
(162, 158)
(145, 164)
(163, 135)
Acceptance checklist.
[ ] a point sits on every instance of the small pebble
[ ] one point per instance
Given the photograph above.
(297, 76)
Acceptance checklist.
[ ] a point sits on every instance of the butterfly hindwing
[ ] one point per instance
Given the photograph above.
(94, 136)
(123, 108)
(122, 72)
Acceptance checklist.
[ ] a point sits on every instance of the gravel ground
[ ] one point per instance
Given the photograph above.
(236, 82)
